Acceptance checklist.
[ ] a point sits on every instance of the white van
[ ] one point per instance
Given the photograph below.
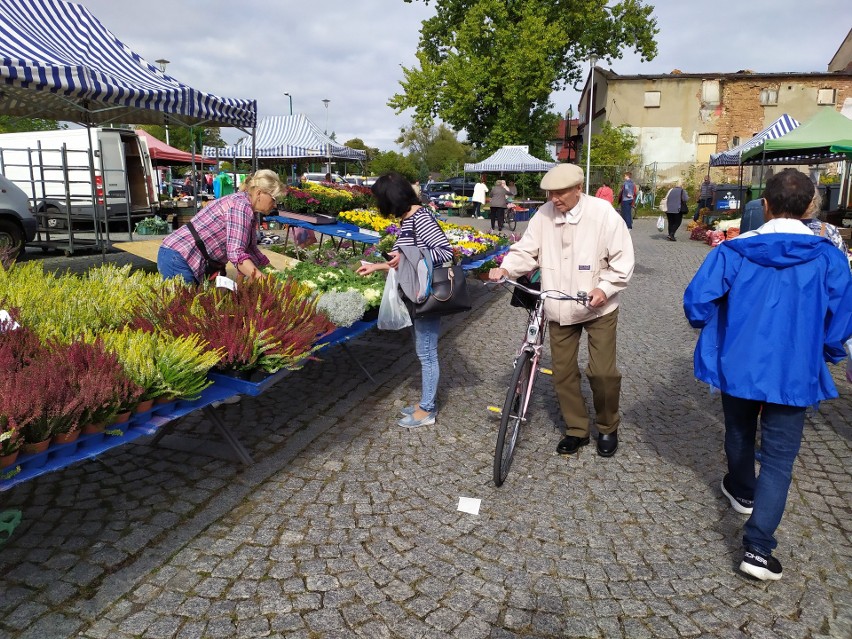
(53, 169)
(320, 177)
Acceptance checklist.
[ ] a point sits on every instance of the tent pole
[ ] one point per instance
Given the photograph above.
(254, 149)
(194, 172)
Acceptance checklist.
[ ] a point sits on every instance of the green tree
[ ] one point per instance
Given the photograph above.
(12, 124)
(181, 137)
(490, 66)
(392, 161)
(438, 147)
(358, 143)
(613, 151)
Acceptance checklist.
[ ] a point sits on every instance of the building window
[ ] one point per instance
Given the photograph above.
(652, 99)
(735, 141)
(710, 92)
(706, 146)
(826, 96)
(707, 138)
(768, 97)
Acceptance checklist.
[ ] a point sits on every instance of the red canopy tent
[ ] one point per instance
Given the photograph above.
(164, 155)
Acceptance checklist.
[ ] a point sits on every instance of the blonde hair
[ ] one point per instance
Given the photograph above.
(264, 180)
(814, 208)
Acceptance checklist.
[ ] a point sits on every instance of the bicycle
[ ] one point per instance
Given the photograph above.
(526, 367)
(511, 221)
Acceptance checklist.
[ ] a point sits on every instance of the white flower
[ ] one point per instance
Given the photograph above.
(343, 308)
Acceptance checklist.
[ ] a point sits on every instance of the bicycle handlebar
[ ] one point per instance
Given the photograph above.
(582, 296)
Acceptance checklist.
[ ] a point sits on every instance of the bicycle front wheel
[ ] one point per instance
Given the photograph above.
(511, 222)
(513, 416)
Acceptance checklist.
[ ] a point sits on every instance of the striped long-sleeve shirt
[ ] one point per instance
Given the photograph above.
(422, 230)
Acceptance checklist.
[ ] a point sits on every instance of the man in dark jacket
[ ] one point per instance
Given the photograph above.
(773, 304)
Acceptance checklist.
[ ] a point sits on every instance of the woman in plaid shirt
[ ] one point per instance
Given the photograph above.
(227, 229)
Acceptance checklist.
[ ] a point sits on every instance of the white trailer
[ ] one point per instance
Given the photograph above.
(71, 177)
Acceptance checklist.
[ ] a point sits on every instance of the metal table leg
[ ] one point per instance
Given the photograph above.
(227, 435)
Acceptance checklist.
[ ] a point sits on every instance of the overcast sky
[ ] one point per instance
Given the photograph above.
(351, 51)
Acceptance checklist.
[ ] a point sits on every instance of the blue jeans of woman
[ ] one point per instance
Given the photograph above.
(780, 439)
(171, 264)
(426, 332)
(627, 213)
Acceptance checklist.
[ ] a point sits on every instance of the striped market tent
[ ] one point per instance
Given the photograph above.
(57, 61)
(287, 137)
(733, 157)
(510, 159)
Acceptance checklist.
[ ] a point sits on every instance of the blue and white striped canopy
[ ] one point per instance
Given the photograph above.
(57, 61)
(733, 157)
(290, 137)
(512, 159)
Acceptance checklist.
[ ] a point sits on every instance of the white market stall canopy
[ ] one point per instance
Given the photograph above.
(287, 137)
(733, 157)
(511, 159)
(57, 61)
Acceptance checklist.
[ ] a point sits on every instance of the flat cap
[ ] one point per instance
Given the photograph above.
(562, 176)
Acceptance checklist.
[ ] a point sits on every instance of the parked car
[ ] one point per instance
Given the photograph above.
(433, 191)
(461, 186)
(319, 178)
(355, 180)
(18, 225)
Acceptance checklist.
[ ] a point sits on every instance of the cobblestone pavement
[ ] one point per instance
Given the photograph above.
(347, 525)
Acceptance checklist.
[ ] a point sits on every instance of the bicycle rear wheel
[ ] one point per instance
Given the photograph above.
(511, 222)
(514, 412)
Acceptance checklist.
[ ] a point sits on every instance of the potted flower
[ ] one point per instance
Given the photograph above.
(152, 226)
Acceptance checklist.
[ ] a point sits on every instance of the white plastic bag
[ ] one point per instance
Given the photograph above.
(393, 314)
(661, 223)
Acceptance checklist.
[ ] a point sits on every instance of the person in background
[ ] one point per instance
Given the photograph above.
(418, 227)
(770, 366)
(580, 244)
(480, 191)
(605, 192)
(499, 201)
(627, 197)
(705, 196)
(226, 230)
(753, 216)
(818, 227)
(416, 187)
(327, 177)
(677, 202)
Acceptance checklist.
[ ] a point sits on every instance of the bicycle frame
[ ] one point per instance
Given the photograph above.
(533, 342)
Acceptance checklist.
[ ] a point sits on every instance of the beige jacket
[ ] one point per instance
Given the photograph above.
(591, 249)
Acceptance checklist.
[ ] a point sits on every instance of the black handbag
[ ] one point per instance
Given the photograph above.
(449, 294)
(522, 299)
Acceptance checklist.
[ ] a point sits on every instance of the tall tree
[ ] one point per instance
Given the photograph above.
(180, 137)
(12, 124)
(490, 66)
(392, 161)
(436, 147)
(358, 143)
(613, 152)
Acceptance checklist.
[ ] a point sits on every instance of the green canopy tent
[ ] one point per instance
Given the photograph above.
(826, 137)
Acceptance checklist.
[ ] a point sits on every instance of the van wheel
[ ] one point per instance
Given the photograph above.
(55, 221)
(11, 238)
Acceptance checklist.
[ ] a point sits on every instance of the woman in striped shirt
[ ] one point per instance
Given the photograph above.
(418, 227)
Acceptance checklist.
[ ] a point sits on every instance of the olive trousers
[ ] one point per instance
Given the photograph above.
(604, 377)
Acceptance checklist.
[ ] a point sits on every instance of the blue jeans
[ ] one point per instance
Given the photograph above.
(627, 213)
(426, 332)
(172, 264)
(780, 438)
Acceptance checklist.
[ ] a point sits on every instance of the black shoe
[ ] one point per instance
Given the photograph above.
(570, 444)
(741, 505)
(607, 444)
(760, 566)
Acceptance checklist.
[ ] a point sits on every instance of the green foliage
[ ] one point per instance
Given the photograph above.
(490, 66)
(181, 137)
(386, 161)
(435, 148)
(358, 143)
(612, 152)
(12, 124)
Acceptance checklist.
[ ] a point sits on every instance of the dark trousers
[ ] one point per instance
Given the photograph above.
(675, 220)
(604, 377)
(476, 206)
(704, 203)
(780, 438)
(498, 215)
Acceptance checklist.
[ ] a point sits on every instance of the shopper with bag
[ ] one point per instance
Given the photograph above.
(677, 203)
(418, 228)
(581, 244)
(225, 231)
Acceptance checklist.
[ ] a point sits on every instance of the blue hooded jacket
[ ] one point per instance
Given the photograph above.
(773, 309)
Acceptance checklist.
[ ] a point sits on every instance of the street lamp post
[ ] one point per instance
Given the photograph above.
(162, 62)
(291, 102)
(569, 114)
(591, 98)
(328, 164)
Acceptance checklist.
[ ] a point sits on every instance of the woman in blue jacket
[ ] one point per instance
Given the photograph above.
(774, 305)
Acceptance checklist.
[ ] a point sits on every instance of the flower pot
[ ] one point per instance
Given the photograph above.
(66, 438)
(164, 399)
(33, 448)
(482, 276)
(8, 460)
(122, 418)
(144, 406)
(91, 429)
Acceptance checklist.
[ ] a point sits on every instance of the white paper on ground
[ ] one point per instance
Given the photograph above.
(469, 505)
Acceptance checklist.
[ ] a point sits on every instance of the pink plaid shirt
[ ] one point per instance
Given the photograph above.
(228, 228)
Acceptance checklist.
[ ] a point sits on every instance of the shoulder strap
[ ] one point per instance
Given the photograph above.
(198, 241)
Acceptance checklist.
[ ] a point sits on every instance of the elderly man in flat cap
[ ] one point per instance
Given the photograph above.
(579, 243)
